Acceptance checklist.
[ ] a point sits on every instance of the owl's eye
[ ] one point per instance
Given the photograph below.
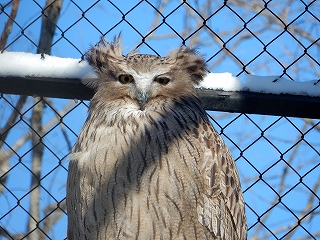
(125, 78)
(162, 80)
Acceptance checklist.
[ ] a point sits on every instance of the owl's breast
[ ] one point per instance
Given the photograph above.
(141, 172)
(148, 190)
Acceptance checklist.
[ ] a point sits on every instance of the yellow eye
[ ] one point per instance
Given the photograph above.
(125, 78)
(162, 80)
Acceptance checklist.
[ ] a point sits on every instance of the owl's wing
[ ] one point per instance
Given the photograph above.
(222, 206)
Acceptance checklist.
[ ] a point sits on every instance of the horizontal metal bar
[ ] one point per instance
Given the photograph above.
(239, 102)
(261, 103)
(46, 87)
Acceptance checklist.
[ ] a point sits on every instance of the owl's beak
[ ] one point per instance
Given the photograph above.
(142, 99)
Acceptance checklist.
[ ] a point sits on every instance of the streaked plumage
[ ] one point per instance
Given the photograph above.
(148, 164)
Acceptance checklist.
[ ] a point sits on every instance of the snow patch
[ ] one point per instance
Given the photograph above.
(260, 84)
(277, 85)
(21, 64)
(222, 81)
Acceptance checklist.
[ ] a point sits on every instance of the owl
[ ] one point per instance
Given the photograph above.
(148, 164)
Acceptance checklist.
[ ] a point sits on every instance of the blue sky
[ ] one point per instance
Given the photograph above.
(275, 147)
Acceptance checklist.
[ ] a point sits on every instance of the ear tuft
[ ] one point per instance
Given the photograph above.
(104, 53)
(189, 60)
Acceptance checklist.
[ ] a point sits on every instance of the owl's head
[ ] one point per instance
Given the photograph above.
(142, 78)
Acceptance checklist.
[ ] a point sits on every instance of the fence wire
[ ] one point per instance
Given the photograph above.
(278, 157)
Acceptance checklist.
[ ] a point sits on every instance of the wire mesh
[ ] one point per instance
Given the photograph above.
(277, 157)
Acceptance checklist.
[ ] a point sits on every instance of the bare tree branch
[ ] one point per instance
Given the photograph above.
(5, 155)
(53, 213)
(37, 153)
(4, 164)
(8, 26)
(5, 233)
(14, 114)
(49, 19)
(19, 143)
(49, 24)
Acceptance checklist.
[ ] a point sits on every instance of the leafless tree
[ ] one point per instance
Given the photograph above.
(49, 22)
(51, 13)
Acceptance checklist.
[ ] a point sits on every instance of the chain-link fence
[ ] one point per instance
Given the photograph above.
(278, 157)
